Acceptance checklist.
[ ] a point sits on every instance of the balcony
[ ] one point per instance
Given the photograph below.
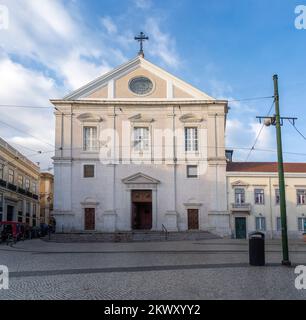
(35, 196)
(11, 187)
(21, 191)
(2, 183)
(29, 194)
(241, 207)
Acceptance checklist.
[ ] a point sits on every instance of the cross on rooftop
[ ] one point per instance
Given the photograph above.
(141, 38)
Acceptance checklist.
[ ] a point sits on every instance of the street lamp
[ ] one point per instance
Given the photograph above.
(278, 122)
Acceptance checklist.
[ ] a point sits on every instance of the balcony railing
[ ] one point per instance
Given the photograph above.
(2, 183)
(29, 194)
(241, 207)
(11, 187)
(35, 196)
(21, 191)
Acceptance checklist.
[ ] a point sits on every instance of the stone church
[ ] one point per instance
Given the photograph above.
(140, 149)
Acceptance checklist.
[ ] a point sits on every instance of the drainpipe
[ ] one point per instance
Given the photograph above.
(114, 160)
(216, 154)
(174, 157)
(271, 213)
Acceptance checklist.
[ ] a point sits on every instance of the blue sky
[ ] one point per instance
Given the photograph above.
(228, 49)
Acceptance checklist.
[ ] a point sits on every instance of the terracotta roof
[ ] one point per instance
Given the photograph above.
(264, 167)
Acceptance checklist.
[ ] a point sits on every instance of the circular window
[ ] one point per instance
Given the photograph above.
(141, 85)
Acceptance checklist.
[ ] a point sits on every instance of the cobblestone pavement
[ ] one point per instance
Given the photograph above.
(210, 269)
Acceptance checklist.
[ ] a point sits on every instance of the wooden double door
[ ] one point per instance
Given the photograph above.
(90, 219)
(142, 210)
(193, 219)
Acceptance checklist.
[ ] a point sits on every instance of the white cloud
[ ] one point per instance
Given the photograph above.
(161, 44)
(50, 44)
(109, 25)
(50, 34)
(241, 135)
(49, 50)
(21, 86)
(143, 4)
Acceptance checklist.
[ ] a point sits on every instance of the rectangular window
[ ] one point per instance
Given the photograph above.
(301, 197)
(191, 139)
(11, 176)
(277, 197)
(28, 208)
(27, 184)
(141, 139)
(1, 203)
(239, 196)
(278, 224)
(20, 181)
(1, 207)
(259, 196)
(89, 171)
(260, 223)
(90, 137)
(34, 187)
(20, 210)
(302, 224)
(1, 171)
(192, 171)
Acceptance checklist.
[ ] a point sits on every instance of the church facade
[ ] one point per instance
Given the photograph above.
(139, 149)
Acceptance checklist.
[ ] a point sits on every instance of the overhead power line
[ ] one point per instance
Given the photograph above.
(52, 107)
(259, 133)
(297, 130)
(251, 99)
(26, 133)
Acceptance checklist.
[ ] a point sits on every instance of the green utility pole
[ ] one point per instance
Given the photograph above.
(282, 191)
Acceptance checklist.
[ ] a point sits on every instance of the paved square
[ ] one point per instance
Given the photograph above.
(208, 269)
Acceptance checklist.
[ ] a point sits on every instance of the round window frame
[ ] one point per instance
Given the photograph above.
(141, 95)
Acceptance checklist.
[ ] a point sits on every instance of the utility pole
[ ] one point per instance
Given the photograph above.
(281, 176)
(278, 121)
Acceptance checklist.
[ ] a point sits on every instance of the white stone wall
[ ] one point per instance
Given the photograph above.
(270, 210)
(174, 193)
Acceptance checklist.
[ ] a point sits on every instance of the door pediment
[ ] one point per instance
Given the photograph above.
(140, 178)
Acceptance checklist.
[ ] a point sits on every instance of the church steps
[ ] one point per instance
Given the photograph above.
(137, 236)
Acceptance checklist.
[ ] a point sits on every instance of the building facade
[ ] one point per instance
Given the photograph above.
(140, 149)
(19, 182)
(253, 199)
(46, 196)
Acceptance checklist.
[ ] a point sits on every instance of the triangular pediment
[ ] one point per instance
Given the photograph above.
(116, 85)
(140, 178)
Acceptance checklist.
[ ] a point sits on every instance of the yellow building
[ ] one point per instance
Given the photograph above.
(19, 181)
(46, 196)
